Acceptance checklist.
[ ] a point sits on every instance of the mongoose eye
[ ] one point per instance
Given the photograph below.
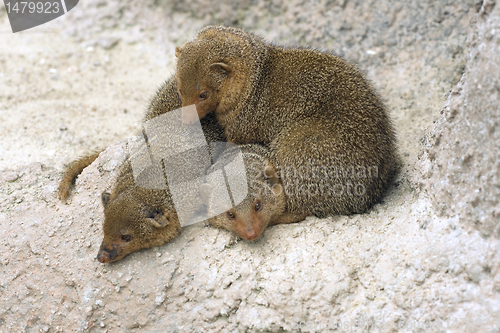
(126, 238)
(258, 206)
(231, 215)
(204, 95)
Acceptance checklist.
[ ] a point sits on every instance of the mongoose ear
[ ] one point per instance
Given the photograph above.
(177, 52)
(156, 216)
(271, 174)
(273, 178)
(160, 222)
(206, 191)
(222, 67)
(105, 196)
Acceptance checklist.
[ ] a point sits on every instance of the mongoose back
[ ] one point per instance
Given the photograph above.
(135, 217)
(324, 123)
(265, 202)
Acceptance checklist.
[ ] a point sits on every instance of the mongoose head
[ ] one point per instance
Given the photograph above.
(255, 213)
(132, 222)
(264, 202)
(214, 71)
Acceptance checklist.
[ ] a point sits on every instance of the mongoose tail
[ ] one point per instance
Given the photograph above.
(74, 169)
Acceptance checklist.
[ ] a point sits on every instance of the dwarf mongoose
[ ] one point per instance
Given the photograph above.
(264, 203)
(135, 217)
(324, 123)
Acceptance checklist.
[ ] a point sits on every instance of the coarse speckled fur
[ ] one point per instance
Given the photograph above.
(72, 171)
(325, 125)
(134, 217)
(265, 203)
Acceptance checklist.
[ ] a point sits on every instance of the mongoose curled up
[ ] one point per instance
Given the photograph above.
(325, 125)
(135, 217)
(264, 204)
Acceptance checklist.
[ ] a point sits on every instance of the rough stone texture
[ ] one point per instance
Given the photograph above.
(82, 82)
(462, 153)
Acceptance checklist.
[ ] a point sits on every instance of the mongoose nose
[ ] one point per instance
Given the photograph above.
(251, 234)
(104, 254)
(103, 257)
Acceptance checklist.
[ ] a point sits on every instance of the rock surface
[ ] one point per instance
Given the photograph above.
(419, 261)
(462, 153)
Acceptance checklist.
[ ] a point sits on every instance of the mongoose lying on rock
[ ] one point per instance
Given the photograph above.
(262, 206)
(135, 217)
(325, 125)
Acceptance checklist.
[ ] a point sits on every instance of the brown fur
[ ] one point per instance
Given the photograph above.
(265, 203)
(325, 125)
(73, 170)
(136, 218)
(146, 217)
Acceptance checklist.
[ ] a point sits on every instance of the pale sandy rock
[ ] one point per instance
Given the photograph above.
(461, 164)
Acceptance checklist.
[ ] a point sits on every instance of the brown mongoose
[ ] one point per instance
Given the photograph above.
(264, 203)
(326, 127)
(135, 217)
